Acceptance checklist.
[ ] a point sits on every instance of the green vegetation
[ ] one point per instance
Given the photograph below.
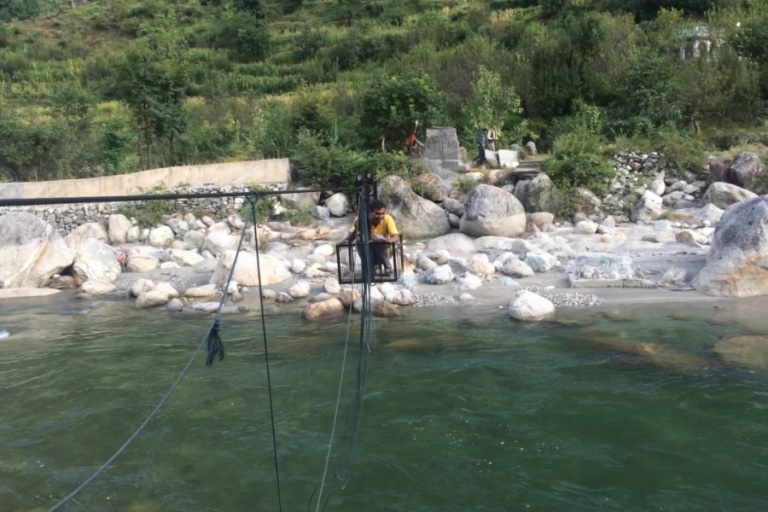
(116, 86)
(149, 214)
(465, 185)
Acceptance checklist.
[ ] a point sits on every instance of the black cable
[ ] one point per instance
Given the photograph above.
(354, 413)
(37, 201)
(252, 200)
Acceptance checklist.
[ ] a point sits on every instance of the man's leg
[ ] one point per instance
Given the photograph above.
(379, 256)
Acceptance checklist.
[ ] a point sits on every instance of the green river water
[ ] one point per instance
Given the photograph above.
(464, 411)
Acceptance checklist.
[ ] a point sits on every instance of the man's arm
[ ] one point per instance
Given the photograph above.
(394, 236)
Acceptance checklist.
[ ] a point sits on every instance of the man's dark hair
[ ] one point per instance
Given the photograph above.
(485, 129)
(375, 205)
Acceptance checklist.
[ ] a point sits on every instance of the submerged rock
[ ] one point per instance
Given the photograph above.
(326, 309)
(745, 351)
(26, 293)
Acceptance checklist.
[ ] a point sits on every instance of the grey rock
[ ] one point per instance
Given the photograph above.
(300, 200)
(453, 206)
(175, 305)
(540, 261)
(415, 216)
(738, 257)
(337, 204)
(457, 243)
(31, 251)
(602, 266)
(648, 208)
(439, 275)
(320, 212)
(119, 225)
(724, 195)
(746, 171)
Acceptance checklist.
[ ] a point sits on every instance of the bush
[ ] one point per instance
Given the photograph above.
(324, 163)
(148, 214)
(578, 162)
(680, 152)
(11, 10)
(247, 40)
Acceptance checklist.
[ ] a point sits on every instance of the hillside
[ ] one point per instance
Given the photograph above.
(115, 86)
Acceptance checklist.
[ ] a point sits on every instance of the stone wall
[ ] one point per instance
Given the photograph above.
(67, 217)
(263, 172)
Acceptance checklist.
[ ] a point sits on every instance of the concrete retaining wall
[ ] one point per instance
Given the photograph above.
(261, 172)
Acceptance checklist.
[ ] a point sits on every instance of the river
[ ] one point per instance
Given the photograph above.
(464, 410)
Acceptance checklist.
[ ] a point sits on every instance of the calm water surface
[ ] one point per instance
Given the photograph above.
(464, 411)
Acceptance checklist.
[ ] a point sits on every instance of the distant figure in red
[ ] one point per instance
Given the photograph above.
(412, 142)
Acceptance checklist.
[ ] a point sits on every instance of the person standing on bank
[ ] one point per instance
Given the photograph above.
(383, 230)
(481, 136)
(493, 137)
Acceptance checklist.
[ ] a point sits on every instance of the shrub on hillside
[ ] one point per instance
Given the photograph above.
(578, 162)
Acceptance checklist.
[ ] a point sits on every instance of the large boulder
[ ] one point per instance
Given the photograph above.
(95, 261)
(415, 216)
(746, 172)
(119, 225)
(491, 211)
(724, 195)
(31, 251)
(541, 195)
(430, 186)
(737, 262)
(246, 272)
(528, 306)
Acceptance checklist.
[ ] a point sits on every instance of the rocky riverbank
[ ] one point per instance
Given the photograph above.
(487, 246)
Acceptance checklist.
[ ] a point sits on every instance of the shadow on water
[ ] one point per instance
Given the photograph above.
(605, 409)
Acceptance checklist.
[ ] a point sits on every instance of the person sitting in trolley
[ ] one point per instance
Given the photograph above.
(383, 230)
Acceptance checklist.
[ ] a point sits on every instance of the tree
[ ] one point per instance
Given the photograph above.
(153, 81)
(351, 9)
(18, 9)
(492, 103)
(391, 105)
